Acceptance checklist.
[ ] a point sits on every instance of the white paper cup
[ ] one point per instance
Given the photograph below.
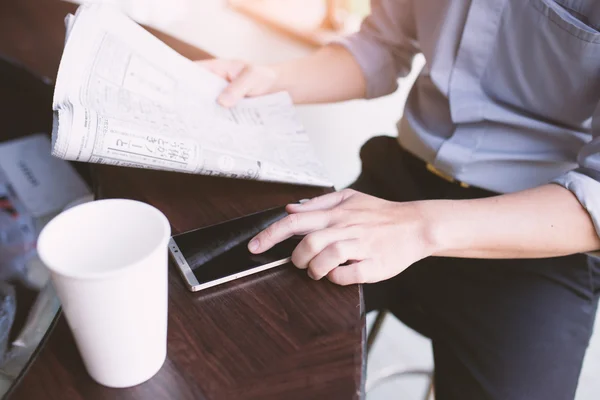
(108, 263)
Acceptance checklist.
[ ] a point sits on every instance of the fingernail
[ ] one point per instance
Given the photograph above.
(299, 203)
(310, 275)
(253, 245)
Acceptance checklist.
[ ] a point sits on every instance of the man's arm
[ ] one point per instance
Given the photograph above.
(366, 64)
(330, 74)
(353, 238)
(547, 221)
(551, 220)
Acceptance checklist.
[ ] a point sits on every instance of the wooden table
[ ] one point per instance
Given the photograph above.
(276, 335)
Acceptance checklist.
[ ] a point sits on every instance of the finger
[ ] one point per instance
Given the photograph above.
(214, 66)
(226, 69)
(324, 202)
(293, 224)
(333, 256)
(237, 89)
(315, 242)
(360, 272)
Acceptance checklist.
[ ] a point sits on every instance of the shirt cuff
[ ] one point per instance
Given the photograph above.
(375, 61)
(587, 191)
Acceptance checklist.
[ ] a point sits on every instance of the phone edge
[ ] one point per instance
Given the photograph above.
(182, 265)
(239, 275)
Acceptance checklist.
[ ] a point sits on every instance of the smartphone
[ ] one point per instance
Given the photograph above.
(219, 253)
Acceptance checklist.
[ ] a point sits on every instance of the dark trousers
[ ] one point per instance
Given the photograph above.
(500, 329)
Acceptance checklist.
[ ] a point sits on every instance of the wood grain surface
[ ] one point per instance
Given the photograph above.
(275, 335)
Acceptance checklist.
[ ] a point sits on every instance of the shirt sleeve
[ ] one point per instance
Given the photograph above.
(584, 181)
(385, 45)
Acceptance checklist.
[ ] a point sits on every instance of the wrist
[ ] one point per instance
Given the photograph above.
(278, 84)
(442, 226)
(420, 219)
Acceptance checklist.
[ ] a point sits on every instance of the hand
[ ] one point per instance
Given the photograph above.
(246, 80)
(377, 239)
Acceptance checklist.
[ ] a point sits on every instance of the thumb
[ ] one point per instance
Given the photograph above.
(237, 89)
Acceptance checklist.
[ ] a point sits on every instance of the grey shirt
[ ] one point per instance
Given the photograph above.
(509, 96)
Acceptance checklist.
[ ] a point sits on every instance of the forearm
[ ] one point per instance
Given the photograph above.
(328, 75)
(546, 221)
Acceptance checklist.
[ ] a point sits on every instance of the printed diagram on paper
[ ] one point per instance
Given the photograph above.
(122, 97)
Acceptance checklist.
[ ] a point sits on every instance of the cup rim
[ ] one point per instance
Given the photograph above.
(99, 274)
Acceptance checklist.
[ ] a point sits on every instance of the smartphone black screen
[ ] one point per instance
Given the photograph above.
(221, 250)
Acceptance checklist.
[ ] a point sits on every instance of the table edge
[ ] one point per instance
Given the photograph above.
(39, 348)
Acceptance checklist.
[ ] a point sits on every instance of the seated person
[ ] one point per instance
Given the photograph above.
(473, 226)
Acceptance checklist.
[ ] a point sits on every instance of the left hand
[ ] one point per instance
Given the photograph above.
(245, 79)
(377, 239)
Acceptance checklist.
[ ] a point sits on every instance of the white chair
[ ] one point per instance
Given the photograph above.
(392, 372)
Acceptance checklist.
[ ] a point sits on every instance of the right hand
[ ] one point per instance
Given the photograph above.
(245, 79)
